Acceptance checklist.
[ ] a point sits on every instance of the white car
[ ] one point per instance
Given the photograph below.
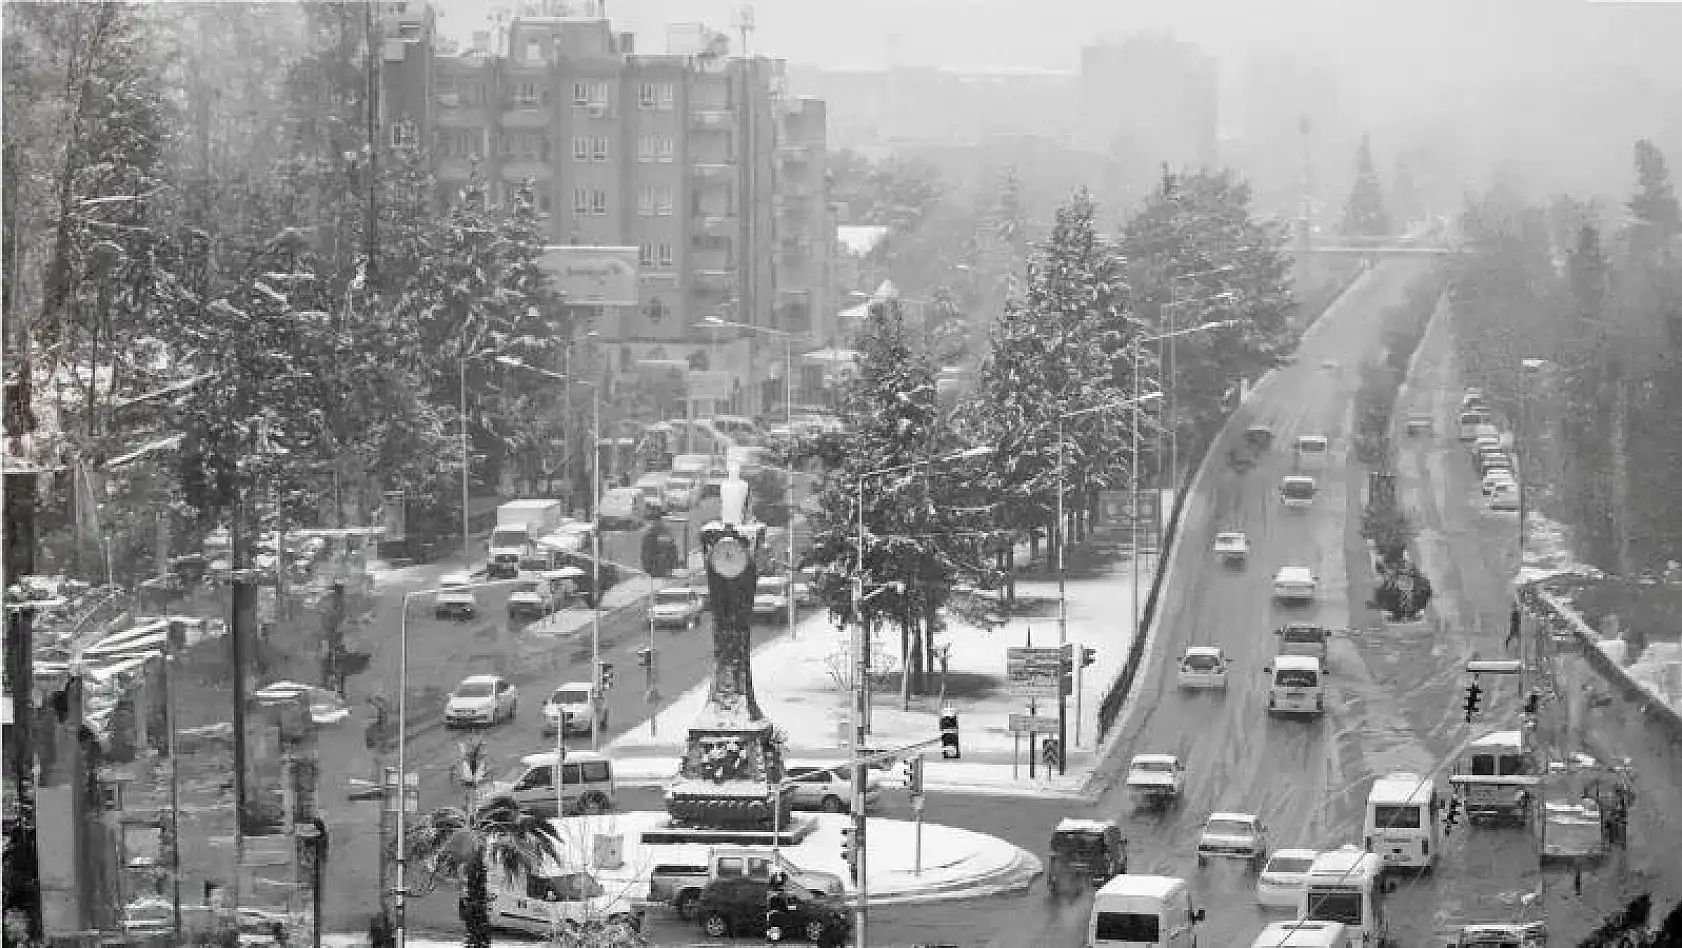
(532, 597)
(1495, 479)
(1155, 779)
(571, 709)
(1504, 498)
(1232, 547)
(770, 598)
(1281, 880)
(455, 599)
(829, 790)
(1295, 584)
(1233, 836)
(1203, 666)
(481, 700)
(677, 607)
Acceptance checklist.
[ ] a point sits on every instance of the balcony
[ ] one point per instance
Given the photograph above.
(714, 282)
(526, 117)
(713, 172)
(712, 120)
(462, 116)
(717, 225)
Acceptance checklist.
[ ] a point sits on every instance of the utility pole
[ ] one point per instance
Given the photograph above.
(1062, 612)
(23, 889)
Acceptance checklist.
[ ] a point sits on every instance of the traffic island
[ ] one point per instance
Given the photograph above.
(955, 863)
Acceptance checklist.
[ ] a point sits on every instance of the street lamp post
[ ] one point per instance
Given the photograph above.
(861, 686)
(1170, 337)
(1521, 444)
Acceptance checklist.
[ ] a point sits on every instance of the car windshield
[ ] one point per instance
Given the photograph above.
(1296, 678)
(474, 689)
(672, 597)
(1083, 842)
(562, 696)
(1202, 662)
(1229, 828)
(529, 586)
(1311, 446)
(1342, 907)
(680, 483)
(1304, 634)
(1154, 766)
(771, 584)
(1289, 863)
(1296, 489)
(1232, 539)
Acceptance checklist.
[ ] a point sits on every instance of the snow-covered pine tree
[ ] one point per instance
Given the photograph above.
(1364, 215)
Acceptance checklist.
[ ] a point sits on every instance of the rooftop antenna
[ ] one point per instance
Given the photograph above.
(744, 24)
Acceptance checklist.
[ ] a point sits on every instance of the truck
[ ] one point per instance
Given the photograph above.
(679, 879)
(518, 525)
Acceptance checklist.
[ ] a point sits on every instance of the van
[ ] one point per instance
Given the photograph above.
(1343, 886)
(552, 898)
(1401, 821)
(587, 784)
(1496, 776)
(1305, 934)
(1295, 685)
(1143, 911)
(1297, 491)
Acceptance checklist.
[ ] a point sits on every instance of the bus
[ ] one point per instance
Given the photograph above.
(1401, 823)
(1343, 886)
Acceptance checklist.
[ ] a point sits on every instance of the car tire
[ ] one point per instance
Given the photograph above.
(833, 804)
(716, 925)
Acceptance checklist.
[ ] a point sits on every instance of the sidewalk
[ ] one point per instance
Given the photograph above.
(799, 686)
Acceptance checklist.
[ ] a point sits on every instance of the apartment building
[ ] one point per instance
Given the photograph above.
(1149, 100)
(805, 252)
(672, 153)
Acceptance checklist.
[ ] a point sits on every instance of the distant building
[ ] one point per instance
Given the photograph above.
(874, 107)
(1149, 101)
(694, 157)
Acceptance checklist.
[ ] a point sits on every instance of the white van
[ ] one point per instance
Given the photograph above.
(1143, 911)
(1402, 823)
(1305, 934)
(540, 903)
(586, 783)
(1295, 685)
(1343, 886)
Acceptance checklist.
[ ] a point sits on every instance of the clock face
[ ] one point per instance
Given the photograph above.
(729, 558)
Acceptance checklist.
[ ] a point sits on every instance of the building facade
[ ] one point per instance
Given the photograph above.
(1149, 101)
(675, 154)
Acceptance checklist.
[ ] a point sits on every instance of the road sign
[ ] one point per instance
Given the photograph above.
(917, 803)
(1032, 724)
(1036, 672)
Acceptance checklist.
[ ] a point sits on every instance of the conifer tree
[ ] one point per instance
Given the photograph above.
(1365, 216)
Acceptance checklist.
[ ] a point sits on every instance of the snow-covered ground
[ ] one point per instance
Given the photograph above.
(799, 684)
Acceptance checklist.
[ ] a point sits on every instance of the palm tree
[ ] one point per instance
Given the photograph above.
(466, 847)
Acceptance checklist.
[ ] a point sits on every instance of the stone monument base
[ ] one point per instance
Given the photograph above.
(728, 770)
(669, 832)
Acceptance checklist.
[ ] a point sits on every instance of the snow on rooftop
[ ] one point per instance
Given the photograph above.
(859, 240)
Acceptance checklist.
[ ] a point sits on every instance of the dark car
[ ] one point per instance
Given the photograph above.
(740, 906)
(585, 583)
(1084, 853)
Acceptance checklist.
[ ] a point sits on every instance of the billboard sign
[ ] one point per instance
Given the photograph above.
(593, 276)
(1035, 672)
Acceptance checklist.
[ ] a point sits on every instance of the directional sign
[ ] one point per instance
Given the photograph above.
(1036, 672)
(1032, 724)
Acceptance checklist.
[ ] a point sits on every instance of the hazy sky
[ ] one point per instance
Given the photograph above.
(1386, 53)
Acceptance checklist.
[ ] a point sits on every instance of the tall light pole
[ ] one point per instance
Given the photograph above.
(595, 525)
(1171, 312)
(788, 421)
(1063, 557)
(1520, 443)
(861, 681)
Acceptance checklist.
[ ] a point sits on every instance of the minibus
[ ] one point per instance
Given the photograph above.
(1402, 824)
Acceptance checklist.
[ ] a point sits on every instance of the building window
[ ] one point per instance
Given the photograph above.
(647, 97)
(645, 148)
(580, 148)
(666, 148)
(534, 52)
(543, 202)
(663, 200)
(403, 134)
(645, 201)
(598, 202)
(581, 93)
(645, 255)
(667, 96)
(581, 201)
(598, 148)
(666, 258)
(656, 310)
(527, 95)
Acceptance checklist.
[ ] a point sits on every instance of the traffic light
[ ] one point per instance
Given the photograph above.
(1452, 818)
(914, 775)
(1533, 703)
(604, 676)
(849, 850)
(1088, 656)
(645, 657)
(949, 749)
(1474, 695)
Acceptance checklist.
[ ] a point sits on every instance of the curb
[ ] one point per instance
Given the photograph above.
(1019, 874)
(1097, 781)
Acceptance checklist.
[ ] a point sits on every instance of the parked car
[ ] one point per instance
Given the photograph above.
(572, 708)
(621, 509)
(481, 700)
(831, 790)
(682, 490)
(1504, 498)
(1233, 836)
(1203, 666)
(1283, 877)
(677, 607)
(1495, 479)
(806, 587)
(770, 598)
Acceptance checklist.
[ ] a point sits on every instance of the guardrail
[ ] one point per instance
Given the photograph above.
(1652, 708)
